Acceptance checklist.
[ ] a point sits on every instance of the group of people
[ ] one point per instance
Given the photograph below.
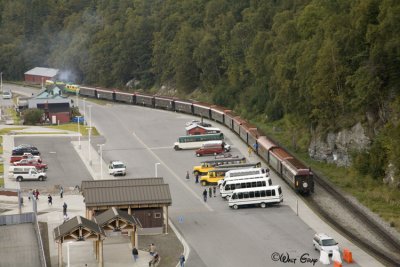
(212, 190)
(155, 256)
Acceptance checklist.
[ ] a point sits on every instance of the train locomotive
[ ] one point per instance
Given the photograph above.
(295, 173)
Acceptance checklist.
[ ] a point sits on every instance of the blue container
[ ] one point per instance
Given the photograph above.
(80, 119)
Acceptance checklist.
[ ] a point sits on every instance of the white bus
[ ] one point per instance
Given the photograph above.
(229, 186)
(244, 172)
(256, 196)
(195, 141)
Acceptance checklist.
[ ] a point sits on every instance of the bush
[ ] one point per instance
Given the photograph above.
(32, 116)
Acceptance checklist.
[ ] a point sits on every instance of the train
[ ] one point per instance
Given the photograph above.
(294, 172)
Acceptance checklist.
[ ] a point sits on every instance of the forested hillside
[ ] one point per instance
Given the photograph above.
(319, 66)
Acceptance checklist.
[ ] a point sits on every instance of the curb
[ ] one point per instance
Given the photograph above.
(186, 248)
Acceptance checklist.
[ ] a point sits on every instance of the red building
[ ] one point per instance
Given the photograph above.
(40, 75)
(196, 129)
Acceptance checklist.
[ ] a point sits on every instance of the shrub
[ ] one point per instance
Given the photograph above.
(32, 116)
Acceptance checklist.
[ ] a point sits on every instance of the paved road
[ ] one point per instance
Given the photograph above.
(220, 236)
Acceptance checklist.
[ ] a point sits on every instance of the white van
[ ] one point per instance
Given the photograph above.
(21, 173)
(227, 188)
(117, 168)
(256, 196)
(244, 172)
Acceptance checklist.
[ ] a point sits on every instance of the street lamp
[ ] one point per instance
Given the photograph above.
(155, 167)
(101, 160)
(84, 111)
(90, 116)
(79, 131)
(90, 156)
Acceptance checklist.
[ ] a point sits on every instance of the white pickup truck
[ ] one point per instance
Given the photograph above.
(117, 168)
(21, 173)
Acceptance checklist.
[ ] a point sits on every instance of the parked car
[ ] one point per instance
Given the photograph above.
(7, 95)
(22, 150)
(326, 243)
(213, 148)
(31, 162)
(21, 173)
(15, 158)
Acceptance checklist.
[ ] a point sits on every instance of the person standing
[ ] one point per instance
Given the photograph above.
(205, 195)
(61, 192)
(135, 253)
(50, 200)
(249, 150)
(37, 194)
(210, 192)
(215, 190)
(182, 260)
(65, 208)
(197, 177)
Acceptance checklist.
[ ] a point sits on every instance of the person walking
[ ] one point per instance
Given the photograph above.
(205, 195)
(187, 175)
(182, 260)
(210, 192)
(215, 190)
(197, 178)
(61, 192)
(37, 194)
(152, 249)
(135, 254)
(50, 200)
(65, 208)
(249, 150)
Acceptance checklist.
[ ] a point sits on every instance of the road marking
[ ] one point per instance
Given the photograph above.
(161, 147)
(52, 152)
(179, 179)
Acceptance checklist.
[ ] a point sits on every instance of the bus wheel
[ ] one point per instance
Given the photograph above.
(176, 147)
(19, 178)
(198, 155)
(203, 183)
(235, 207)
(263, 205)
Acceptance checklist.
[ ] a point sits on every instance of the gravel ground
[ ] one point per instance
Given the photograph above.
(345, 218)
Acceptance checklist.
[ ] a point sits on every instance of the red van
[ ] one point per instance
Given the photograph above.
(213, 148)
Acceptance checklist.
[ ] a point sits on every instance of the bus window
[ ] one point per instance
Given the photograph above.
(273, 192)
(251, 194)
(253, 184)
(268, 193)
(227, 187)
(245, 194)
(263, 193)
(240, 195)
(280, 190)
(257, 194)
(234, 196)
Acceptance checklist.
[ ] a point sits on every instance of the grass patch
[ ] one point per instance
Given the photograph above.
(11, 112)
(74, 128)
(1, 144)
(2, 182)
(93, 100)
(21, 133)
(5, 131)
(378, 197)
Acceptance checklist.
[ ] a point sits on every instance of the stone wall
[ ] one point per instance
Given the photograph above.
(336, 147)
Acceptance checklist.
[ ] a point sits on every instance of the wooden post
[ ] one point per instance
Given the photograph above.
(101, 263)
(165, 209)
(60, 255)
(133, 236)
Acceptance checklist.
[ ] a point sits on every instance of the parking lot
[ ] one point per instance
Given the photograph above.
(64, 165)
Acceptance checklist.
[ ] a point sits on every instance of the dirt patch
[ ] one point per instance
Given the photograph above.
(167, 245)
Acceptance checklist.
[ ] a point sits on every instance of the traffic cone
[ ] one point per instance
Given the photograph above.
(347, 256)
(324, 257)
(337, 264)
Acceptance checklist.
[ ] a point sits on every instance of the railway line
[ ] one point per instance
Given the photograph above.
(389, 256)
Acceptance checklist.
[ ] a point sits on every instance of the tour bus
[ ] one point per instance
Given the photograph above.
(248, 171)
(213, 176)
(195, 141)
(256, 196)
(221, 183)
(228, 187)
(244, 172)
(211, 164)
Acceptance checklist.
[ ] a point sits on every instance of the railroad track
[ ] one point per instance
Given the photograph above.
(380, 254)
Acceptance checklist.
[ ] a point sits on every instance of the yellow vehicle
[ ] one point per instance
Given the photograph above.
(209, 165)
(213, 176)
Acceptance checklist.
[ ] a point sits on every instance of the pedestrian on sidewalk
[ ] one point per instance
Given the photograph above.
(197, 178)
(182, 260)
(215, 190)
(50, 200)
(152, 249)
(135, 254)
(210, 192)
(61, 192)
(249, 150)
(154, 260)
(65, 208)
(187, 175)
(37, 194)
(205, 195)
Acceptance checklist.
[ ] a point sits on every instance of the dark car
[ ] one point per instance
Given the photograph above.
(21, 150)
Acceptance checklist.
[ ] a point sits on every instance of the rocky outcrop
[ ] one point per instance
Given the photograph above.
(336, 147)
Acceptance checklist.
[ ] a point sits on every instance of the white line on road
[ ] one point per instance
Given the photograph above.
(173, 173)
